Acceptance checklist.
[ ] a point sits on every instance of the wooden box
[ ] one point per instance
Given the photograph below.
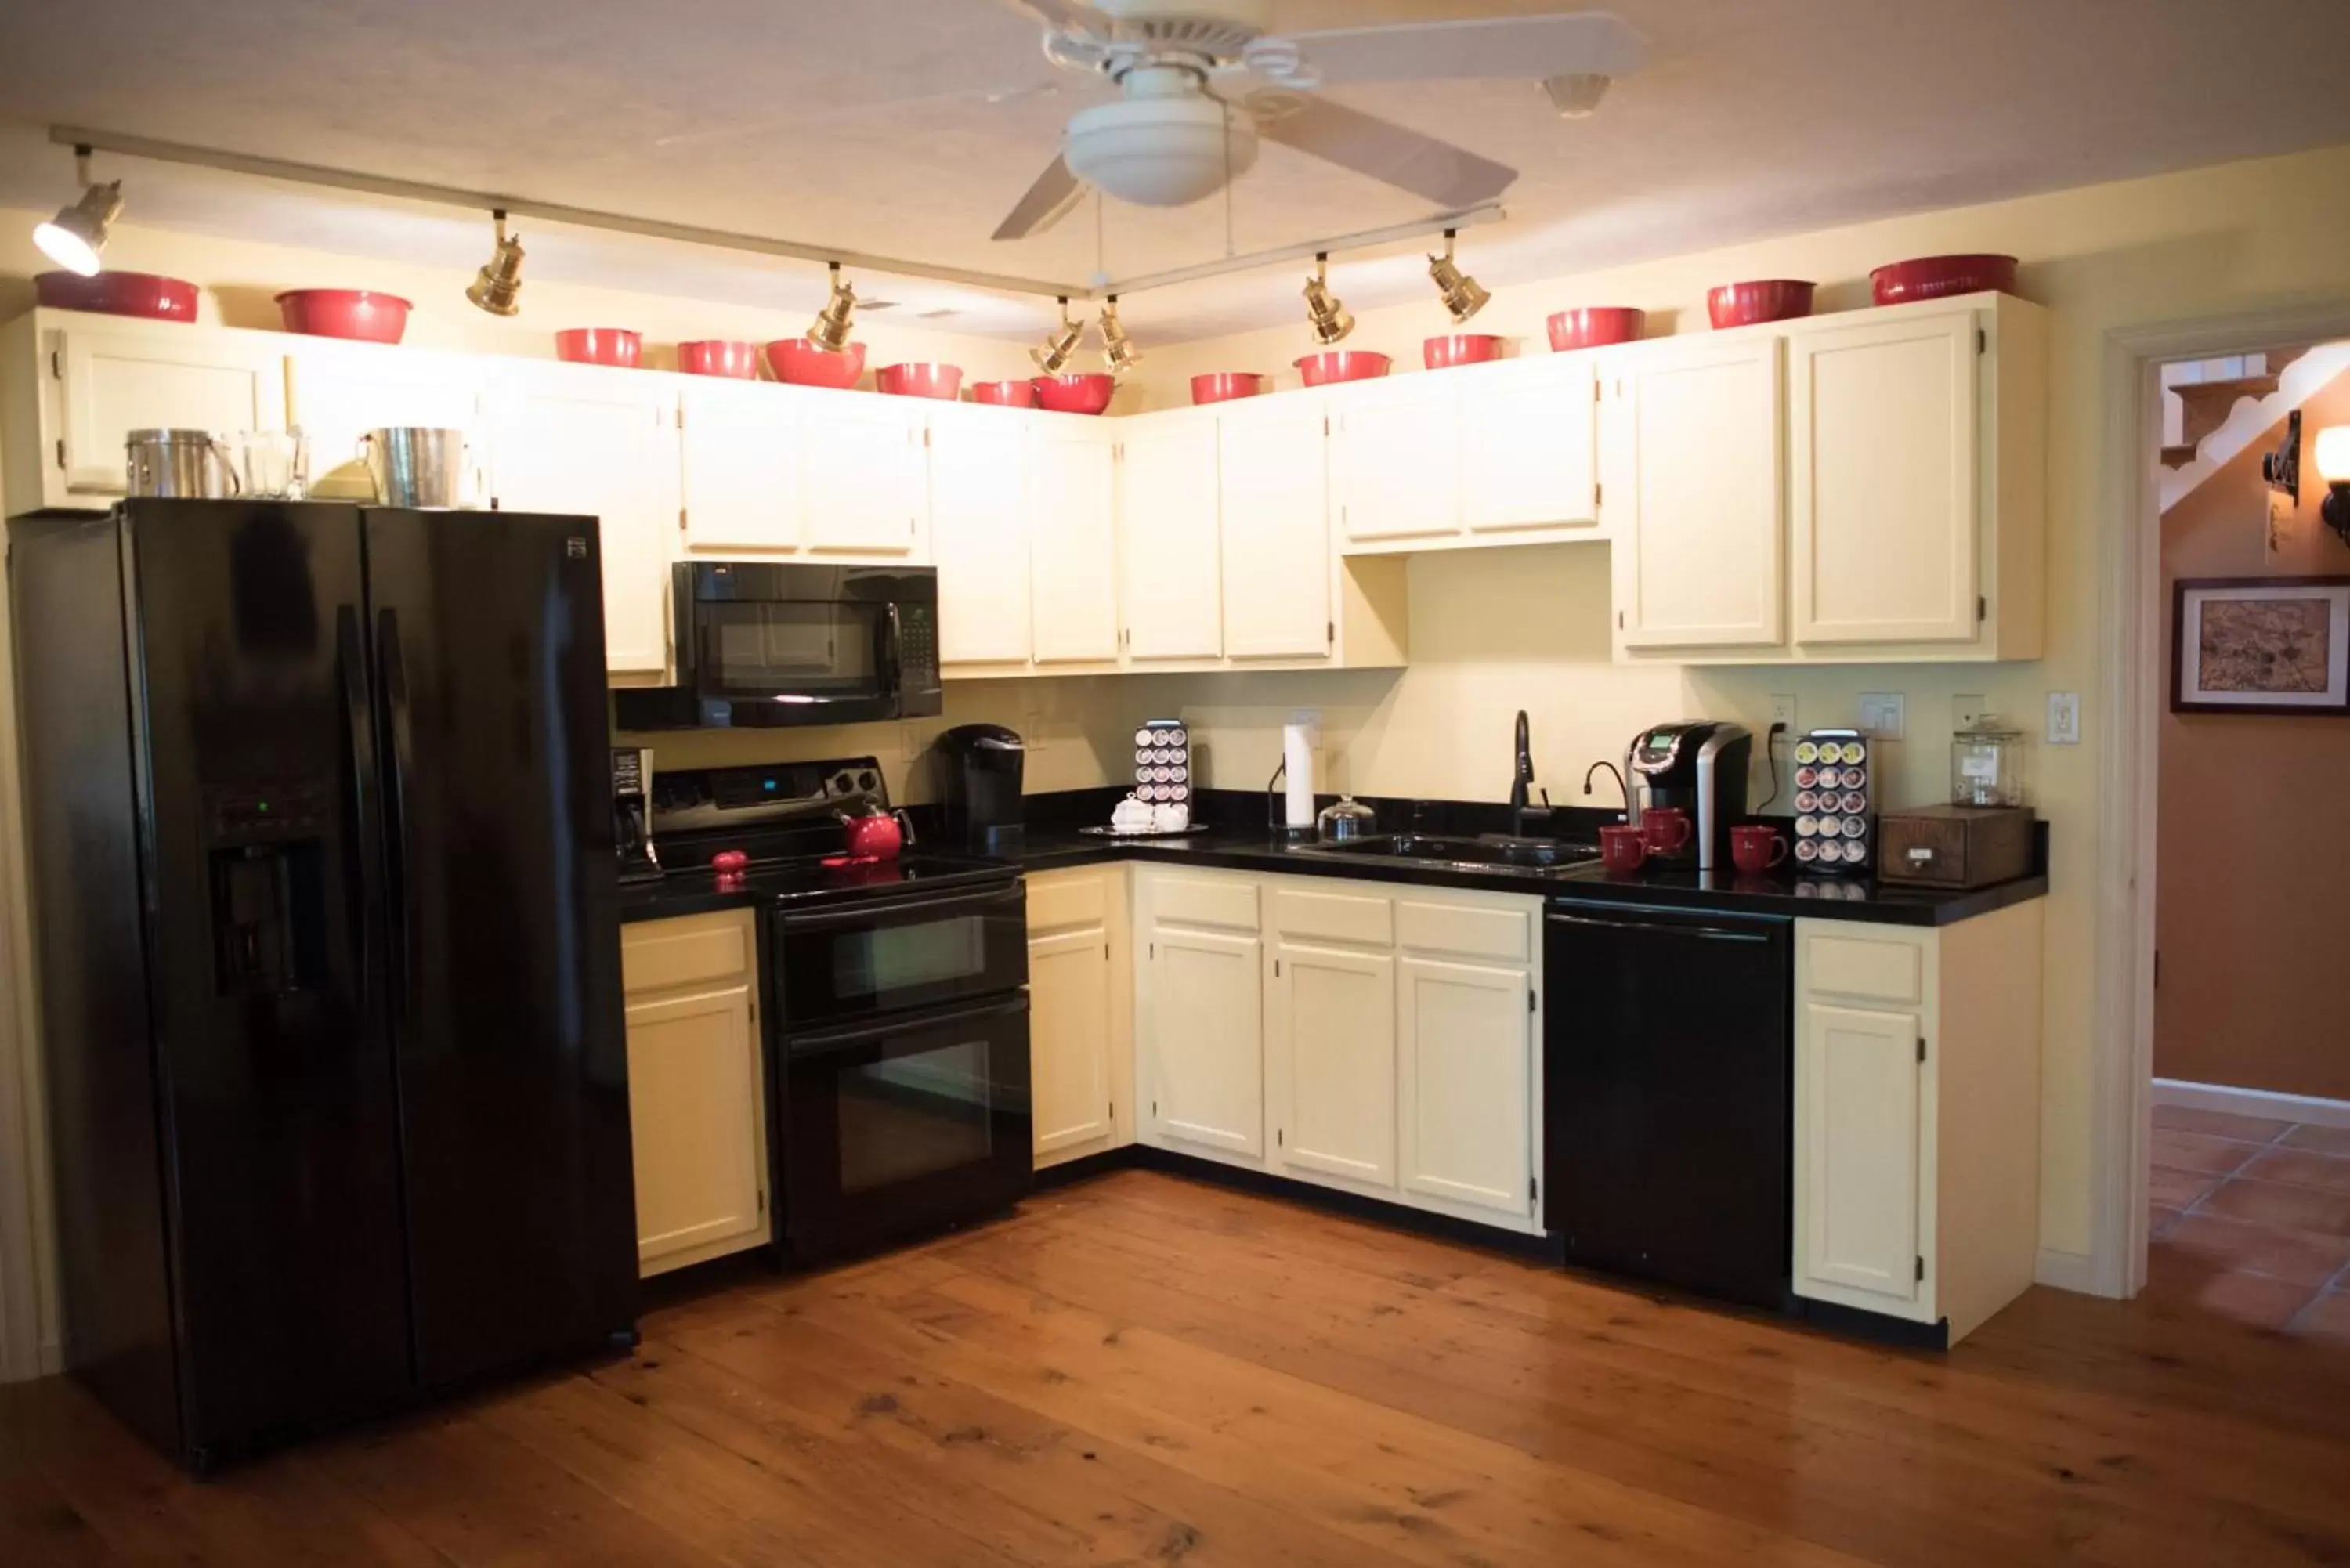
(1954, 846)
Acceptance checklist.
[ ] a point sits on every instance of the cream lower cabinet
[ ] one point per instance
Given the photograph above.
(1917, 1126)
(697, 1088)
(1330, 1032)
(1199, 1014)
(1080, 1013)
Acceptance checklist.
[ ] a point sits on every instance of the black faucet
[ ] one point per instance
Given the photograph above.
(1620, 783)
(1522, 782)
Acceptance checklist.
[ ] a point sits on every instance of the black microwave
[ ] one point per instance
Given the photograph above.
(759, 644)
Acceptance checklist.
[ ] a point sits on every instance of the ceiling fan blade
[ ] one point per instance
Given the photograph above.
(1048, 201)
(1568, 43)
(1061, 16)
(1452, 177)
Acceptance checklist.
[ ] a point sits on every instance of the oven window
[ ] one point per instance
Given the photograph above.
(915, 1115)
(896, 959)
(820, 648)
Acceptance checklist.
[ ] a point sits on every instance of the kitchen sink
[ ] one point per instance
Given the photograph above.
(1493, 851)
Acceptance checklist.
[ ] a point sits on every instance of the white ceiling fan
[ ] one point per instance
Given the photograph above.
(1198, 81)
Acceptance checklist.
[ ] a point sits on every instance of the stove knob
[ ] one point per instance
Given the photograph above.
(841, 784)
(868, 781)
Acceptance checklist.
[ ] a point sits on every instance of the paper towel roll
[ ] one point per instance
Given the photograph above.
(1297, 751)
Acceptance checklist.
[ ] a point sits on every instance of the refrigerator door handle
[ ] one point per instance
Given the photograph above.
(393, 669)
(359, 754)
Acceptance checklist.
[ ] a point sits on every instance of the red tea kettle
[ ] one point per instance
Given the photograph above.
(876, 832)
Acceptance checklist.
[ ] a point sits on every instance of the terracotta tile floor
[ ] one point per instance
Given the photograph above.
(2251, 1220)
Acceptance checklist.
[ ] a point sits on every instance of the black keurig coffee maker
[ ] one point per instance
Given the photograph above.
(1697, 766)
(979, 787)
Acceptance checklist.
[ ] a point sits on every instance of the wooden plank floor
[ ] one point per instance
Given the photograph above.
(1146, 1370)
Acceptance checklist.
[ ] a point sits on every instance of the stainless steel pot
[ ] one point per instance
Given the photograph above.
(415, 465)
(186, 464)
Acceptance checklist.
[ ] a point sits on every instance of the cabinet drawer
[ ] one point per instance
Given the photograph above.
(662, 955)
(1199, 901)
(1458, 928)
(1334, 917)
(1881, 971)
(1061, 904)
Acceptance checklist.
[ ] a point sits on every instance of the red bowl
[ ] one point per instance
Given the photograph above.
(1074, 394)
(719, 357)
(803, 364)
(1224, 386)
(1459, 348)
(1019, 394)
(1595, 327)
(1342, 365)
(614, 345)
(356, 313)
(926, 379)
(1746, 303)
(118, 294)
(1932, 278)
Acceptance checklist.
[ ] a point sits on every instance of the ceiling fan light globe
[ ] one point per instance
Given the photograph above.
(1161, 151)
(1578, 95)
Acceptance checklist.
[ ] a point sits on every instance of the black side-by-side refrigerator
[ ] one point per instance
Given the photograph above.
(325, 903)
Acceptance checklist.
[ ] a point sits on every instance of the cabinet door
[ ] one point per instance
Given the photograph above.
(1882, 434)
(1333, 1042)
(113, 379)
(1464, 1033)
(1395, 461)
(1529, 434)
(1856, 1150)
(1167, 491)
(695, 1098)
(1069, 1028)
(739, 449)
(1276, 531)
(865, 478)
(1073, 544)
(600, 443)
(1206, 1031)
(1701, 552)
(336, 392)
(979, 537)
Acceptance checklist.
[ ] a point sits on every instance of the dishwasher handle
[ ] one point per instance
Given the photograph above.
(1706, 933)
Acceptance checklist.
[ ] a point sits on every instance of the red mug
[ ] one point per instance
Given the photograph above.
(1666, 828)
(1755, 848)
(1621, 848)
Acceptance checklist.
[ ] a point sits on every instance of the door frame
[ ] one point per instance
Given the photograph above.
(2132, 687)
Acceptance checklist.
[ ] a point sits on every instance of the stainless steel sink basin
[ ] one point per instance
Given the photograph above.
(1490, 852)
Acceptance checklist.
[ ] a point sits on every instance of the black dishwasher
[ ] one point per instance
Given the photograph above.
(1667, 1072)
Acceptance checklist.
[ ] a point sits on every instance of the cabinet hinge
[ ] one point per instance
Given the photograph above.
(1982, 341)
(1330, 632)
(1104, 953)
(61, 451)
(1619, 620)
(1595, 389)
(1154, 1107)
(1533, 1187)
(1598, 493)
(1982, 610)
(755, 1009)
(763, 1201)
(1326, 425)
(57, 370)
(1154, 954)
(1921, 1268)
(1921, 1047)
(680, 416)
(1276, 969)
(1530, 1000)
(680, 519)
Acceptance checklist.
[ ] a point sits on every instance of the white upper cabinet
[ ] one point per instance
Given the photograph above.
(865, 485)
(1073, 542)
(1276, 530)
(738, 445)
(111, 377)
(1395, 459)
(337, 392)
(602, 443)
(979, 535)
(1168, 522)
(1881, 438)
(1699, 547)
(1529, 446)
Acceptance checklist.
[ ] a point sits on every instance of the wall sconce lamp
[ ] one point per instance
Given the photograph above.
(1324, 312)
(2282, 468)
(2332, 455)
(497, 288)
(74, 238)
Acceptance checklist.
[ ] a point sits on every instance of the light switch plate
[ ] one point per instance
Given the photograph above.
(1884, 714)
(2063, 718)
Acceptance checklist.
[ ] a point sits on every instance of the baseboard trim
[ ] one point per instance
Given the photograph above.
(2272, 1104)
(2075, 1272)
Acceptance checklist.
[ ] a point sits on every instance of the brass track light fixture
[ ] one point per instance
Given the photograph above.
(1117, 349)
(1054, 351)
(74, 238)
(831, 327)
(1464, 296)
(497, 288)
(1324, 312)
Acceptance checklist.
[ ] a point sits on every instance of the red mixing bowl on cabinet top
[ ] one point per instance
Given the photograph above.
(118, 294)
(1595, 327)
(1087, 394)
(1459, 348)
(1933, 277)
(925, 380)
(1765, 299)
(719, 357)
(356, 313)
(1017, 394)
(614, 345)
(800, 363)
(1224, 386)
(1342, 365)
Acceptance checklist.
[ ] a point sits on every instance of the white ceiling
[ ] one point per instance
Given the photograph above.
(880, 126)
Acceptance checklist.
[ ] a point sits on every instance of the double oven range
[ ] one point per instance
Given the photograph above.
(897, 1016)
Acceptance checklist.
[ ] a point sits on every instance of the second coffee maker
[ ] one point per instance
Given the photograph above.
(1697, 766)
(979, 773)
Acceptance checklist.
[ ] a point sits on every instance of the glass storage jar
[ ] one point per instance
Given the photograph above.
(1987, 764)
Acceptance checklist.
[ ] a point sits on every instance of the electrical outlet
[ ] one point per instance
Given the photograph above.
(1783, 710)
(2063, 718)
(1965, 709)
(1883, 713)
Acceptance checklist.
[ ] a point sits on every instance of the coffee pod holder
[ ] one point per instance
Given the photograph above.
(1835, 803)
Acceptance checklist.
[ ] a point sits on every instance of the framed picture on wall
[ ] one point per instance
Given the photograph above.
(2259, 645)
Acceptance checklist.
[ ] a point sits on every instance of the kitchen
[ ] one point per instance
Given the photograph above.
(1429, 649)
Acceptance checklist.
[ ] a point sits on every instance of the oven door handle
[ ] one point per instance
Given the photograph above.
(876, 913)
(836, 1041)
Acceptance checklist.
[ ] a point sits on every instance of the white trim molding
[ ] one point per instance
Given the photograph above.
(2272, 1105)
(2066, 1271)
